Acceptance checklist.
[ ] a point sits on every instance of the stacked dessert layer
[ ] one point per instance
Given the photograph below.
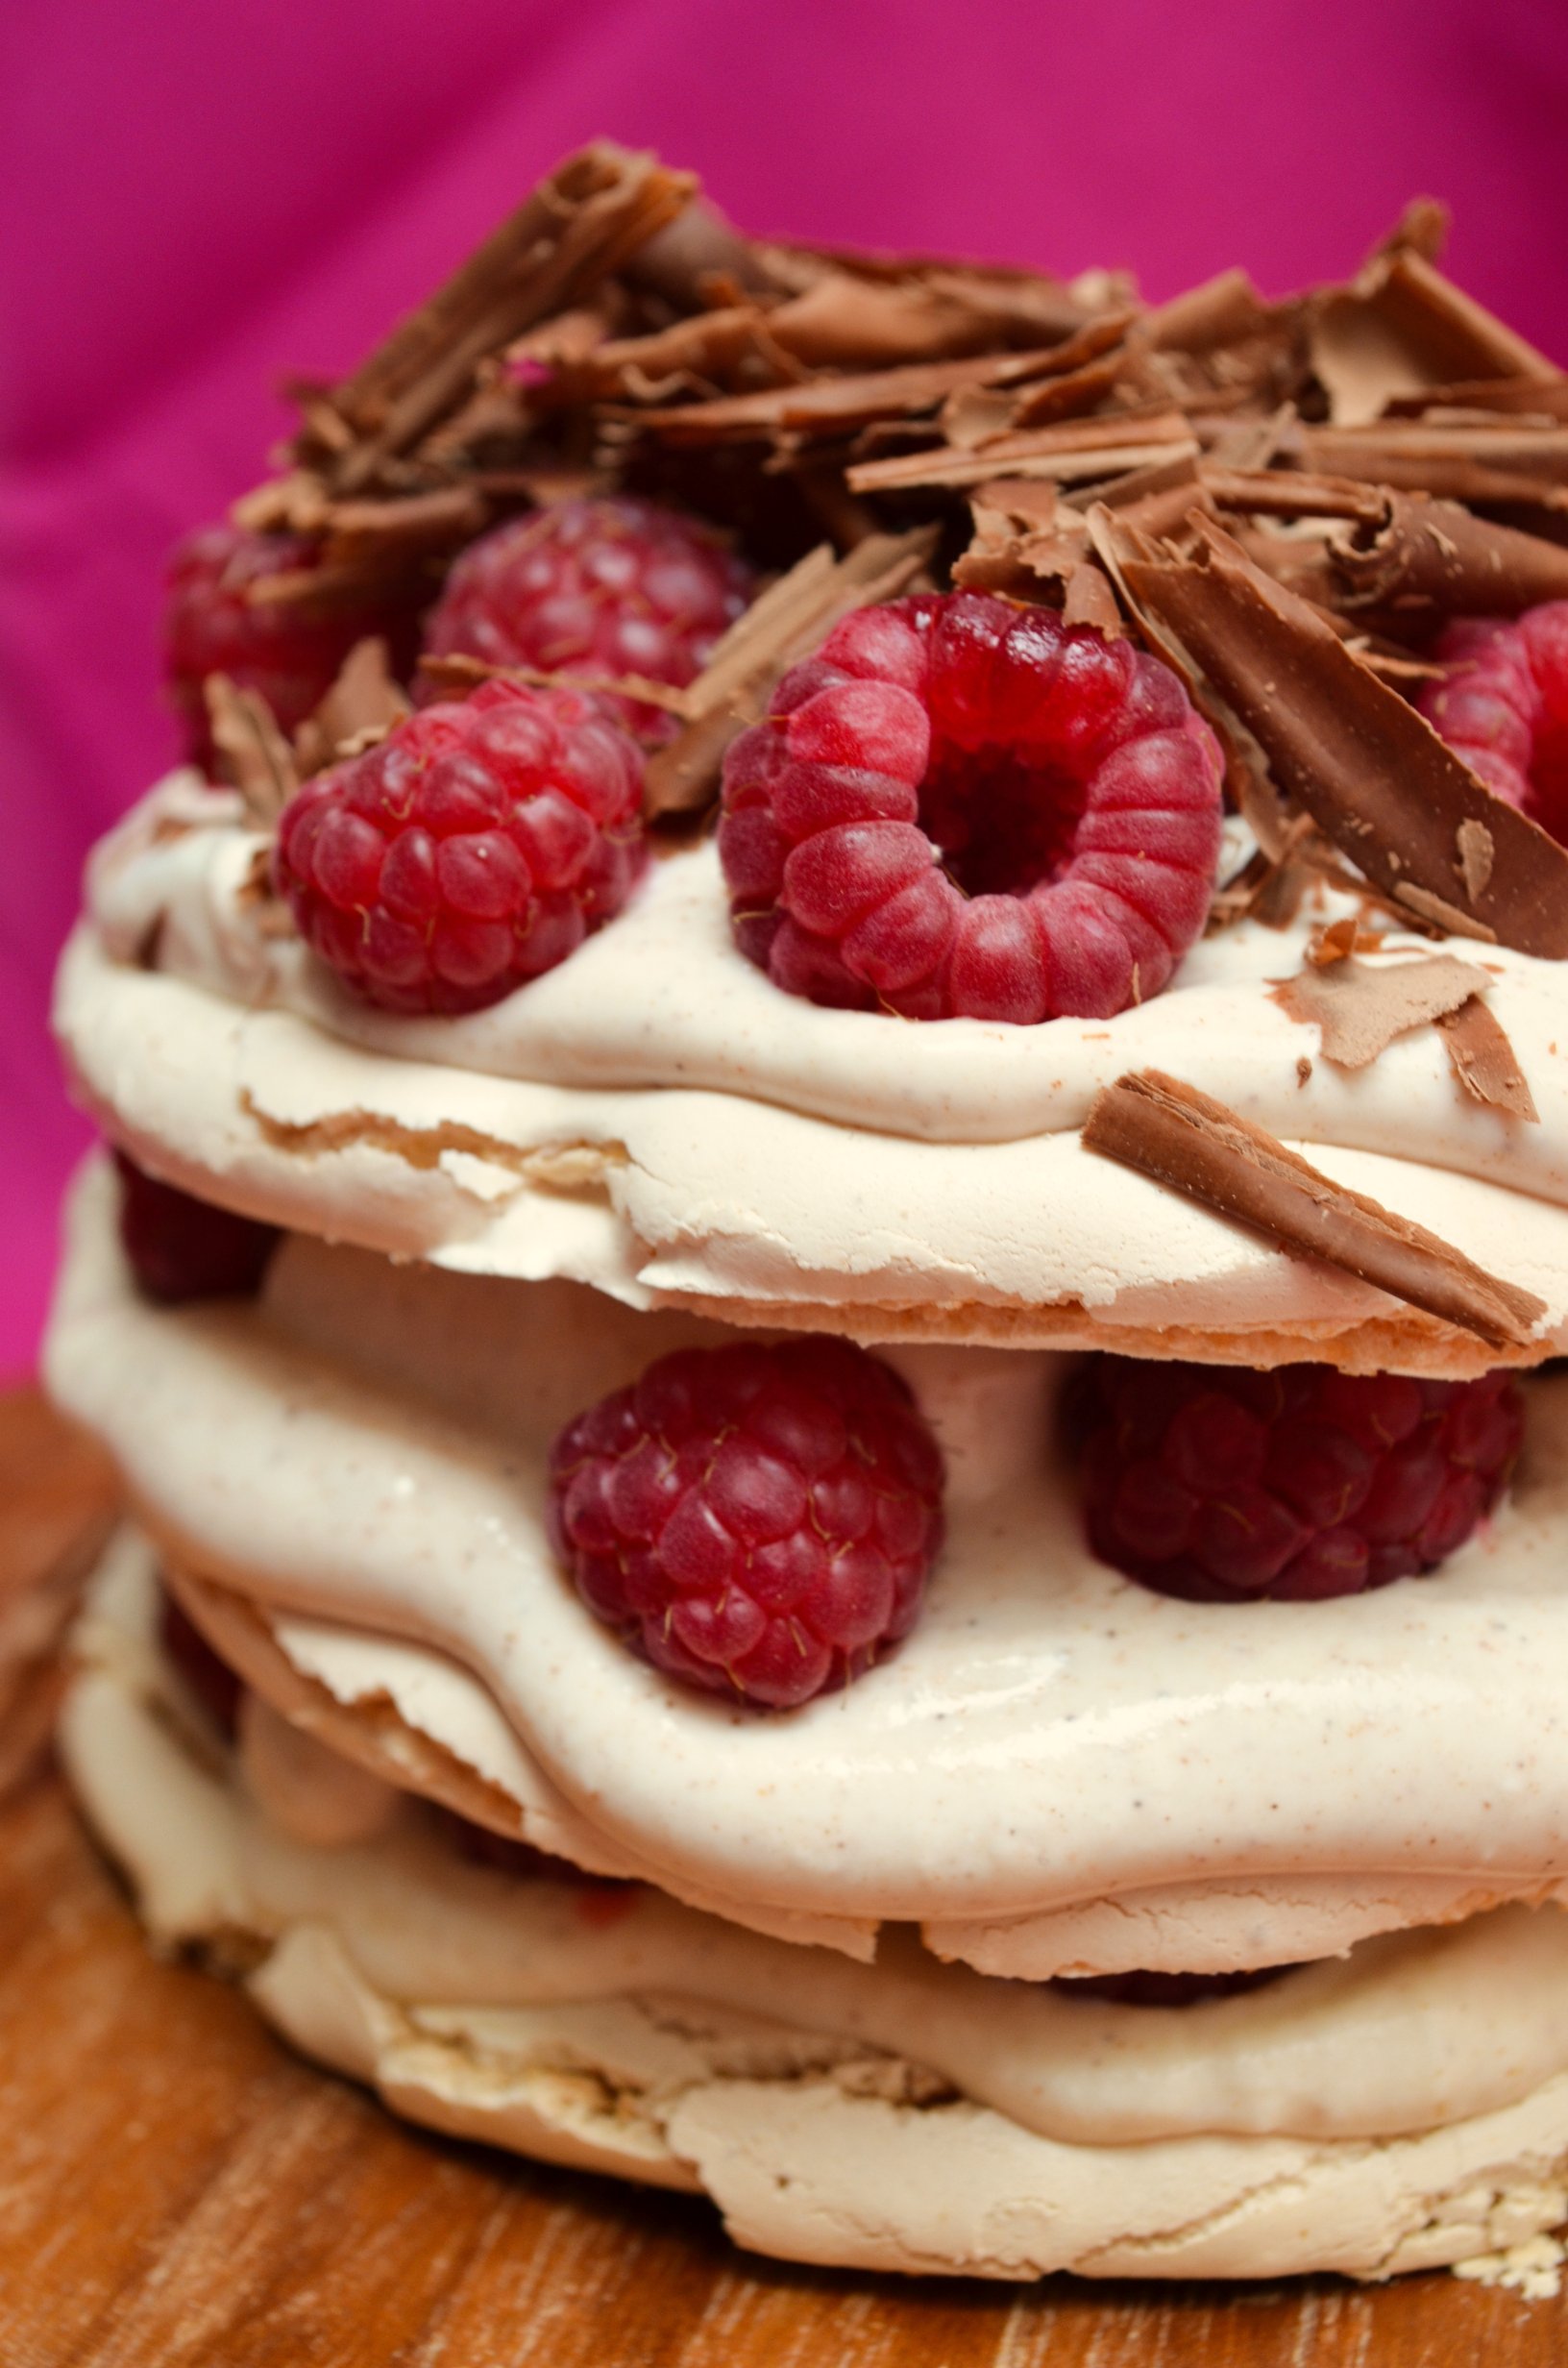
(1162, 1595)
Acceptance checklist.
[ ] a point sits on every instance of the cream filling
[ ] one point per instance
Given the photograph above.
(1408, 2033)
(1407, 2107)
(655, 1118)
(1048, 1736)
(662, 998)
(673, 1195)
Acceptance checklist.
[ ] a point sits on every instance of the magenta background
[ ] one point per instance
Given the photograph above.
(198, 197)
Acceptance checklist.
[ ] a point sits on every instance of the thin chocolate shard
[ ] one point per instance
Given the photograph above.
(252, 753)
(1080, 450)
(460, 674)
(1224, 311)
(734, 348)
(1441, 914)
(785, 624)
(1292, 493)
(1196, 1146)
(1246, 771)
(830, 406)
(701, 245)
(1339, 940)
(1484, 1062)
(1402, 326)
(1373, 774)
(1361, 1009)
(360, 710)
(1541, 399)
(1485, 460)
(1029, 546)
(1431, 560)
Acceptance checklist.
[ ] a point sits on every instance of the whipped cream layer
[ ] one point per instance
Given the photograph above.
(620, 2031)
(367, 1449)
(655, 1118)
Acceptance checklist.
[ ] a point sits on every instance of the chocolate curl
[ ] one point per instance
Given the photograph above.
(1075, 452)
(360, 708)
(589, 217)
(1197, 1146)
(1483, 1061)
(1360, 1009)
(1403, 327)
(1422, 555)
(1247, 772)
(1464, 461)
(252, 753)
(833, 406)
(1373, 774)
(789, 621)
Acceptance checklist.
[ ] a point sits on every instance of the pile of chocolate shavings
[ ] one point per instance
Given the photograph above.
(1287, 500)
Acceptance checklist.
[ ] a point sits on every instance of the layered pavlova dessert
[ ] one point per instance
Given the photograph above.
(836, 1222)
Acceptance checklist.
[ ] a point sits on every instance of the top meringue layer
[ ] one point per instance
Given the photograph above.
(721, 1141)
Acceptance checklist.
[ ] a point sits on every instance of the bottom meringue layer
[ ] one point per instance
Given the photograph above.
(1402, 2108)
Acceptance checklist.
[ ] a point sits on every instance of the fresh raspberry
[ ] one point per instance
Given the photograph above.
(474, 849)
(961, 807)
(756, 1520)
(1504, 707)
(208, 1675)
(1219, 1484)
(614, 586)
(1145, 1988)
(184, 1248)
(288, 653)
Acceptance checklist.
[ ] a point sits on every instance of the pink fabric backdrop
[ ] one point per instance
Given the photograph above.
(200, 198)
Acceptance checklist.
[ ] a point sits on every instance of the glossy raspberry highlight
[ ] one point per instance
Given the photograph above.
(610, 586)
(1221, 1485)
(961, 808)
(288, 653)
(472, 849)
(1504, 707)
(759, 1521)
(184, 1248)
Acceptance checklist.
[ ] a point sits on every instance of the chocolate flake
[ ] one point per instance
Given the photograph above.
(360, 710)
(1361, 1009)
(1422, 555)
(1402, 326)
(1369, 770)
(783, 624)
(1484, 1062)
(1193, 1145)
(252, 753)
(1078, 451)
(829, 405)
(1339, 941)
(461, 674)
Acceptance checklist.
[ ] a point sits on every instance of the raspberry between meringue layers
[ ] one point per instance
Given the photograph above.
(348, 1479)
(1395, 2110)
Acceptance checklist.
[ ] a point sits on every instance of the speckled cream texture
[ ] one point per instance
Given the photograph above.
(655, 1118)
(1049, 1735)
(1405, 2107)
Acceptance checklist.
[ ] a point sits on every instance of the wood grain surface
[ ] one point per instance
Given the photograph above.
(177, 2189)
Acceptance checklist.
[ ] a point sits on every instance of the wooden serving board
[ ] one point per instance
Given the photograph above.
(177, 2189)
